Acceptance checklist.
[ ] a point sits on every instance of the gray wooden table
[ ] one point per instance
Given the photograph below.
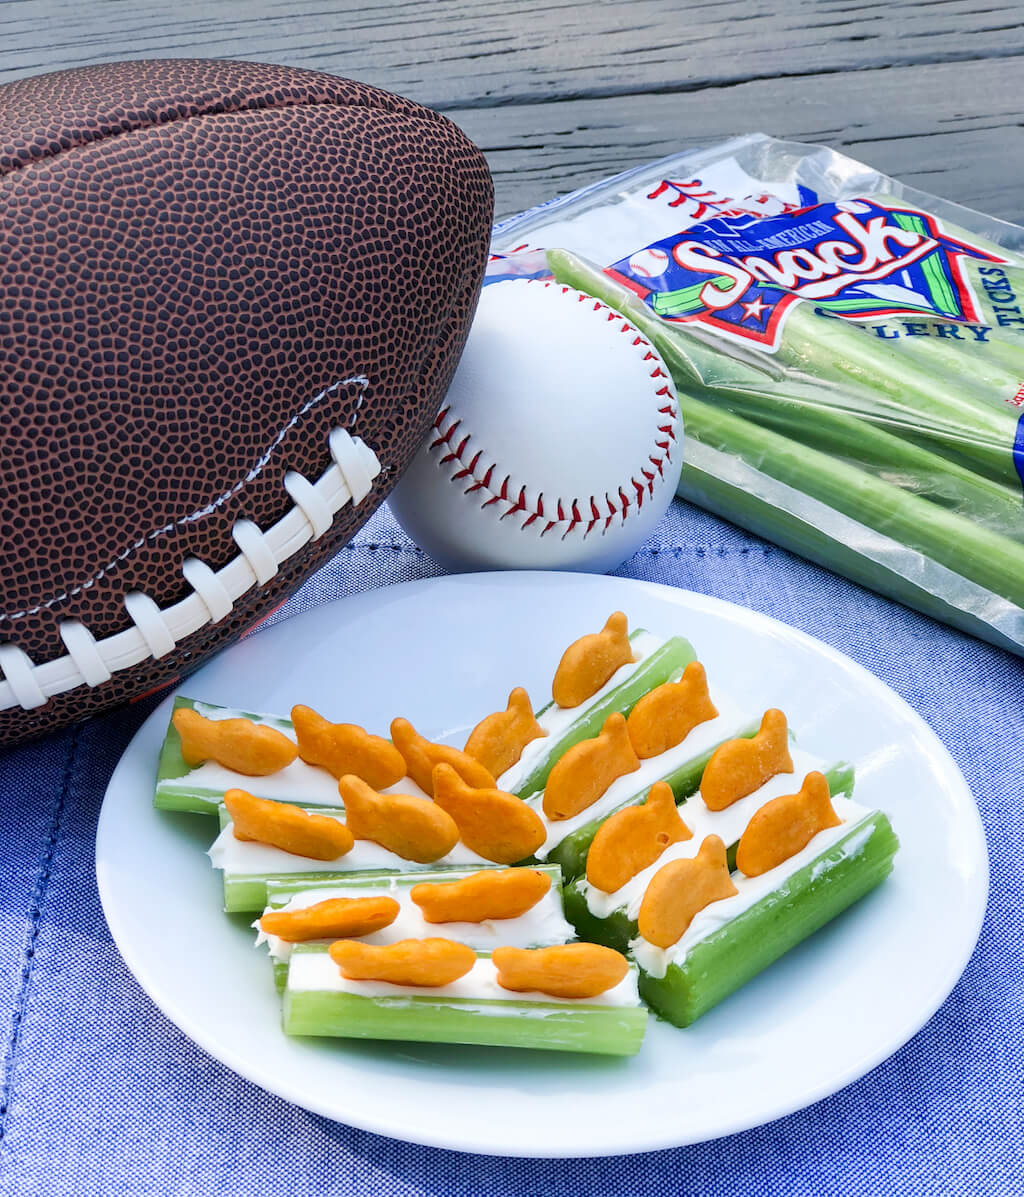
(560, 93)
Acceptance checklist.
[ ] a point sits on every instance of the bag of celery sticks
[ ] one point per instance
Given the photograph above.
(849, 355)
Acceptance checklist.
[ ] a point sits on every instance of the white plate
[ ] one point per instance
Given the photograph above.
(445, 652)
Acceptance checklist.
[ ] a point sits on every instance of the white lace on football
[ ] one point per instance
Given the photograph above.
(156, 632)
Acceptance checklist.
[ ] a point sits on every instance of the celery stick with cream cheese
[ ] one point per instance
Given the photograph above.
(542, 923)
(475, 1008)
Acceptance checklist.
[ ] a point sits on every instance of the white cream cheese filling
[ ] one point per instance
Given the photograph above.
(541, 925)
(729, 722)
(249, 858)
(728, 824)
(556, 720)
(317, 972)
(750, 890)
(297, 782)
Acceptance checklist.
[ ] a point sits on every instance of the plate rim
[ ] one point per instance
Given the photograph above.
(743, 1119)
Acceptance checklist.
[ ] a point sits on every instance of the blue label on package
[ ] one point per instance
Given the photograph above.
(856, 259)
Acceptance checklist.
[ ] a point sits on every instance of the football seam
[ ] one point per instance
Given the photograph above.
(564, 510)
(156, 633)
(200, 513)
(82, 140)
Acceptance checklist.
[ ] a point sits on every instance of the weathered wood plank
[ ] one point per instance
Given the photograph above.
(463, 53)
(953, 129)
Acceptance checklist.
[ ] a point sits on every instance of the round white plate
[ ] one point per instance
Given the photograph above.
(444, 653)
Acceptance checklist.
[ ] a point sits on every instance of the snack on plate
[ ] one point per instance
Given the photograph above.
(654, 660)
(731, 940)
(200, 787)
(249, 866)
(485, 909)
(632, 846)
(343, 748)
(475, 1008)
(594, 779)
(697, 844)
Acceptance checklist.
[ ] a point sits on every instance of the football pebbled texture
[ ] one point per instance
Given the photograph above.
(206, 268)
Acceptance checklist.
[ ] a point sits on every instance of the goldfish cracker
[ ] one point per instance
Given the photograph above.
(488, 894)
(785, 825)
(634, 838)
(334, 918)
(681, 889)
(237, 744)
(497, 742)
(429, 963)
(421, 755)
(342, 748)
(588, 663)
(572, 970)
(588, 769)
(666, 715)
(495, 825)
(413, 828)
(288, 827)
(739, 767)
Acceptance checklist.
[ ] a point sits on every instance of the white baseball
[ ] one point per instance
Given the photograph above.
(649, 263)
(559, 444)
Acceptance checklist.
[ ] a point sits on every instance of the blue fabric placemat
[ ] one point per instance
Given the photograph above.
(100, 1095)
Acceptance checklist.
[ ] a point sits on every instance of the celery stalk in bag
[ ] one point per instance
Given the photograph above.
(849, 356)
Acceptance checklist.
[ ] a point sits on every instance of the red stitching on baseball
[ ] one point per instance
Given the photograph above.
(618, 508)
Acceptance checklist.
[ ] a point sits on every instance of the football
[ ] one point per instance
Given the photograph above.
(232, 297)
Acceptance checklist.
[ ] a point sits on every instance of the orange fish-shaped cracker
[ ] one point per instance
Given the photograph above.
(497, 742)
(666, 715)
(583, 774)
(785, 825)
(426, 962)
(488, 894)
(495, 825)
(739, 767)
(238, 744)
(568, 970)
(342, 748)
(681, 889)
(634, 838)
(421, 755)
(590, 661)
(413, 828)
(288, 827)
(334, 918)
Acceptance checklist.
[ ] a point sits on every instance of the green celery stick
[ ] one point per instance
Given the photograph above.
(669, 658)
(729, 957)
(968, 548)
(896, 460)
(617, 929)
(738, 502)
(514, 1022)
(571, 852)
(280, 891)
(173, 790)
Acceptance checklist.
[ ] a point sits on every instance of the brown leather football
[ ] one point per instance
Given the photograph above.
(232, 297)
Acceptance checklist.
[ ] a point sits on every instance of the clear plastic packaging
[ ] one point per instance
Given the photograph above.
(849, 355)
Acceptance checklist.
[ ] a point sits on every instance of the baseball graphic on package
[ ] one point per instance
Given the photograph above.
(559, 444)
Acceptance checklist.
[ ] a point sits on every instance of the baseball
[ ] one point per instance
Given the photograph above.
(558, 445)
(649, 263)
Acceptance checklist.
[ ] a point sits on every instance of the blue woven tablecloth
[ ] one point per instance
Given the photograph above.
(100, 1094)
